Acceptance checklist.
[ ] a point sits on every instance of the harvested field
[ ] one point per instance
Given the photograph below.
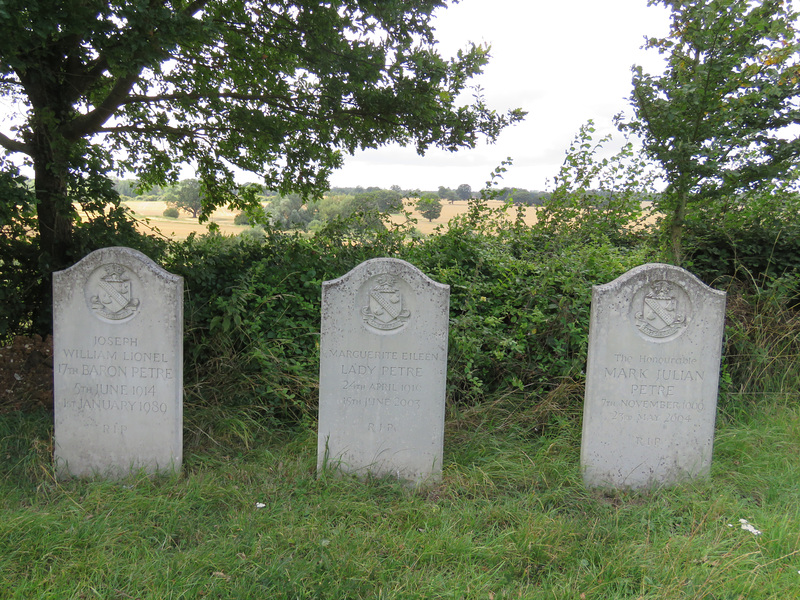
(181, 227)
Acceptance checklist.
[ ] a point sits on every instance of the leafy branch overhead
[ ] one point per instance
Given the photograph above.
(277, 88)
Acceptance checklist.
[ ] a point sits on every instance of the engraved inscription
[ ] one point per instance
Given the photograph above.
(381, 427)
(385, 310)
(115, 428)
(653, 395)
(129, 377)
(648, 441)
(383, 379)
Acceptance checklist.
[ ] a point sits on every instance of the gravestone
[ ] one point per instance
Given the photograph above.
(118, 366)
(655, 342)
(383, 369)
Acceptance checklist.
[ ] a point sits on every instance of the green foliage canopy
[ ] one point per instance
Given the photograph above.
(187, 196)
(429, 207)
(277, 88)
(464, 191)
(716, 119)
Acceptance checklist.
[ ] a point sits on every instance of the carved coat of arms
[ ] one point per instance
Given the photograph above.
(385, 309)
(661, 314)
(114, 299)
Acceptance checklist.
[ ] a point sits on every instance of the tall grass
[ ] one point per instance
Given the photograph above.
(510, 519)
(761, 357)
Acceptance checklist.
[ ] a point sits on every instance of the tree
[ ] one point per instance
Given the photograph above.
(429, 207)
(522, 197)
(290, 212)
(464, 191)
(187, 196)
(388, 201)
(281, 89)
(716, 119)
(445, 193)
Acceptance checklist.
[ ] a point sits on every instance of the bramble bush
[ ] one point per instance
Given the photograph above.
(520, 297)
(519, 304)
(252, 312)
(518, 321)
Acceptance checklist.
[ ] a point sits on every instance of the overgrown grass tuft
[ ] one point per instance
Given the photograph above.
(761, 357)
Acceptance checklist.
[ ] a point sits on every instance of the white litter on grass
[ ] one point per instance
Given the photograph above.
(260, 505)
(748, 527)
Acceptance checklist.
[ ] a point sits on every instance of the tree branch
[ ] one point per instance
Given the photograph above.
(152, 130)
(13, 145)
(93, 121)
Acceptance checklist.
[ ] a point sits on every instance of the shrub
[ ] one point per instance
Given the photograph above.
(171, 212)
(757, 252)
(519, 312)
(255, 233)
(252, 314)
(254, 216)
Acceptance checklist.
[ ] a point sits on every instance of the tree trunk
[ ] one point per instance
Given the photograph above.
(676, 229)
(55, 212)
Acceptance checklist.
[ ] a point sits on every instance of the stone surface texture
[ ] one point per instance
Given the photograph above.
(652, 379)
(117, 366)
(383, 368)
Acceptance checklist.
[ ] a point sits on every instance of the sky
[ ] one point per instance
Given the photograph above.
(563, 61)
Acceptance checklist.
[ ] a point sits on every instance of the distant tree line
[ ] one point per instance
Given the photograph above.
(292, 212)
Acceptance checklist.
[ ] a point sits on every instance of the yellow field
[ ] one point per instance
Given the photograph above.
(181, 227)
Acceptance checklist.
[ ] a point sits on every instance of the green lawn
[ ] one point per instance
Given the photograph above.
(249, 518)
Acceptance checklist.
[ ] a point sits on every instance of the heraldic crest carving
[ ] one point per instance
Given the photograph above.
(384, 310)
(663, 313)
(111, 295)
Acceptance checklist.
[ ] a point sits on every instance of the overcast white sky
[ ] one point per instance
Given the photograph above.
(564, 62)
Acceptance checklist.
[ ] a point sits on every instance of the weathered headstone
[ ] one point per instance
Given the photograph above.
(652, 378)
(118, 366)
(383, 369)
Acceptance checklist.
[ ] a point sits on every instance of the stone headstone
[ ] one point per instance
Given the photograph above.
(655, 341)
(383, 369)
(118, 366)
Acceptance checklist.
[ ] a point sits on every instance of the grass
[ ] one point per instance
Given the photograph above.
(510, 519)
